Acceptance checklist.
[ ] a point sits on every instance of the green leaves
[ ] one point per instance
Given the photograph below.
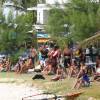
(81, 16)
(55, 24)
(24, 24)
(11, 36)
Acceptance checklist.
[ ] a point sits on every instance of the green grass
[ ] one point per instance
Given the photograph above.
(59, 87)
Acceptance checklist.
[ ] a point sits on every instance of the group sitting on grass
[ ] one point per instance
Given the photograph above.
(70, 62)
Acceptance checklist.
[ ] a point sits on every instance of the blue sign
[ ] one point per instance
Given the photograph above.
(42, 35)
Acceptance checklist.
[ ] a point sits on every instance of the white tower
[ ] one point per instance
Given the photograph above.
(42, 10)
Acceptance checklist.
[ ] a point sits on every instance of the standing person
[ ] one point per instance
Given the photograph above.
(94, 53)
(98, 61)
(78, 53)
(53, 57)
(67, 57)
(44, 55)
(44, 52)
(91, 52)
(33, 54)
(87, 54)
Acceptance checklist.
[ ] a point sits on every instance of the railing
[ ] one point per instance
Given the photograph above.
(52, 96)
(94, 40)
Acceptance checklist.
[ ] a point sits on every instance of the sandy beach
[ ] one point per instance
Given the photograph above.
(11, 91)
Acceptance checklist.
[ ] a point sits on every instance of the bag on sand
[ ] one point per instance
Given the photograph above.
(38, 76)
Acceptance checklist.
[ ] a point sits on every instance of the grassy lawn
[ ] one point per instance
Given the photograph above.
(59, 87)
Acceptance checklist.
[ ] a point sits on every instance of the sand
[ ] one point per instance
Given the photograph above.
(11, 91)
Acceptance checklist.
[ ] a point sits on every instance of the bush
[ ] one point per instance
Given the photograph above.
(15, 56)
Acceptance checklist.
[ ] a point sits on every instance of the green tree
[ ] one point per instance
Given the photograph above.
(14, 33)
(24, 23)
(55, 23)
(81, 16)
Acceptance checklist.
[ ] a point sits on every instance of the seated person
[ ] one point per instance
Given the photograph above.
(72, 69)
(59, 74)
(1, 66)
(22, 67)
(97, 74)
(28, 63)
(7, 64)
(82, 78)
(25, 65)
(17, 66)
(47, 67)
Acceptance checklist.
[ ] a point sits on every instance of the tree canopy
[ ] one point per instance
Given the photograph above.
(14, 33)
(81, 16)
(84, 16)
(55, 23)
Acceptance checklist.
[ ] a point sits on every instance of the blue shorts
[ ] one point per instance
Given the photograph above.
(86, 78)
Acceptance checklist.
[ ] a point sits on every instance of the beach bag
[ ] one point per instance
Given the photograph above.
(38, 76)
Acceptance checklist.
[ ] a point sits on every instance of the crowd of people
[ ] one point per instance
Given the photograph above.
(69, 62)
(27, 62)
(22, 65)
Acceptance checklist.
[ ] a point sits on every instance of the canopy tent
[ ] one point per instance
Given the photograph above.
(42, 37)
(42, 40)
